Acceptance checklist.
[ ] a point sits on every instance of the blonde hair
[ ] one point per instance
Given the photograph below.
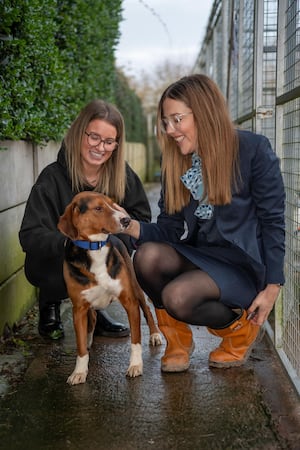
(216, 138)
(112, 176)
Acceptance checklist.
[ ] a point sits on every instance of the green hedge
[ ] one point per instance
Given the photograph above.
(55, 56)
(131, 108)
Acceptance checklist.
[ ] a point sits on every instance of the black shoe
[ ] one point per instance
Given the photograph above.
(106, 326)
(50, 325)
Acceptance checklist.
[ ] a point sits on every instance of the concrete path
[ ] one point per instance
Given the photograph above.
(252, 407)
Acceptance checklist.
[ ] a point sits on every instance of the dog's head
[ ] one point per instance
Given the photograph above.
(91, 216)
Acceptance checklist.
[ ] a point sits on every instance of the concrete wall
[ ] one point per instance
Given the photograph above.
(20, 164)
(136, 155)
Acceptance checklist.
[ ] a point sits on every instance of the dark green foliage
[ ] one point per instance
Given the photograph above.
(55, 56)
(131, 107)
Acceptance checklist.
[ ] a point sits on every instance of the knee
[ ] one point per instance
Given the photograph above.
(47, 275)
(32, 272)
(174, 302)
(147, 255)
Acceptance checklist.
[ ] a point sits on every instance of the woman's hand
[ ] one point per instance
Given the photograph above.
(263, 304)
(133, 228)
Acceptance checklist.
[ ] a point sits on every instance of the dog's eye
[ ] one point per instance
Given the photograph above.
(98, 208)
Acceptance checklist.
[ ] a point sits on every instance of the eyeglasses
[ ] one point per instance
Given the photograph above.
(94, 139)
(174, 120)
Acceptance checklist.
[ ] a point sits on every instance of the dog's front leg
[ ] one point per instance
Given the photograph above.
(136, 362)
(81, 370)
(82, 361)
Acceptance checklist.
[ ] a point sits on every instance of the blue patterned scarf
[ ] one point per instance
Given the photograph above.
(192, 179)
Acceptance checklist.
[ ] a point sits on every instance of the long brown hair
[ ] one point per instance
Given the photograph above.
(112, 179)
(217, 143)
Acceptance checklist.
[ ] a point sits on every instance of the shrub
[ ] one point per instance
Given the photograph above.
(55, 57)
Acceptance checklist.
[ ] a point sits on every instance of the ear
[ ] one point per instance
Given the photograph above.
(65, 223)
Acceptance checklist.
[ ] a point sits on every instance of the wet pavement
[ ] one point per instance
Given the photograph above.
(252, 407)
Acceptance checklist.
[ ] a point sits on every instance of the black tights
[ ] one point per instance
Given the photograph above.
(186, 292)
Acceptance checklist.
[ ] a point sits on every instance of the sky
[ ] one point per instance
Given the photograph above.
(155, 30)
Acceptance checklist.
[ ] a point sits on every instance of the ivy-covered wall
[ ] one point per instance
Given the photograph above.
(55, 56)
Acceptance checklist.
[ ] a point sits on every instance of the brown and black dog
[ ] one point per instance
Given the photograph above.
(98, 270)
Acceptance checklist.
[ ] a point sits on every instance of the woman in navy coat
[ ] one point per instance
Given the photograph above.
(215, 256)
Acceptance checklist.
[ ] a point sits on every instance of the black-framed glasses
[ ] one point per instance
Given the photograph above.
(94, 139)
(174, 121)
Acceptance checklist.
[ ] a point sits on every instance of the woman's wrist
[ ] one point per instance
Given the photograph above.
(134, 229)
(273, 289)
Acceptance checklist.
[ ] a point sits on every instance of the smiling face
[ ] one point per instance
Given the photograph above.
(93, 156)
(184, 132)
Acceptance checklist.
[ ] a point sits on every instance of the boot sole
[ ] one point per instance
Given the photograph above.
(227, 365)
(175, 369)
(53, 335)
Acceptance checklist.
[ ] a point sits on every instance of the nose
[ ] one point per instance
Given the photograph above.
(125, 221)
(101, 143)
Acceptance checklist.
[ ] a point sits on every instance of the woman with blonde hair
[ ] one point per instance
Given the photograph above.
(215, 256)
(92, 157)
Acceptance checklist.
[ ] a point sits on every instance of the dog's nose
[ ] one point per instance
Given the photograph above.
(125, 221)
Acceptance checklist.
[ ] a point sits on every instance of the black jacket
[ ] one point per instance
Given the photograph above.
(52, 192)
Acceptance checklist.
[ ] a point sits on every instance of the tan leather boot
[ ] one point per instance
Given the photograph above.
(238, 341)
(180, 342)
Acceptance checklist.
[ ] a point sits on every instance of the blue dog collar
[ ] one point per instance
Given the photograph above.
(88, 245)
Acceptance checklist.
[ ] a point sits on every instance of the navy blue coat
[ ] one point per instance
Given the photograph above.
(253, 221)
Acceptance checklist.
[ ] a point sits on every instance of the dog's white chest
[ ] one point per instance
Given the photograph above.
(107, 288)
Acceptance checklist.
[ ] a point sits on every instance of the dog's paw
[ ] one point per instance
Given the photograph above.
(80, 372)
(136, 361)
(77, 378)
(135, 371)
(155, 339)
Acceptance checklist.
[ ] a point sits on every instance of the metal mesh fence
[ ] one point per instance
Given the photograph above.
(245, 104)
(259, 73)
(292, 46)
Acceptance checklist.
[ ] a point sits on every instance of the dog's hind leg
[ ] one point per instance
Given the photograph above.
(92, 318)
(155, 336)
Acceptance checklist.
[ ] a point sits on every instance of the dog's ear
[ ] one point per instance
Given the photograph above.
(65, 223)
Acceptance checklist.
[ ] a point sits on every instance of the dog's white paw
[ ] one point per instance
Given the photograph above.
(136, 362)
(77, 378)
(155, 339)
(135, 371)
(81, 370)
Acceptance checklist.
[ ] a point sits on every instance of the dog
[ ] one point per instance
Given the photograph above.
(98, 270)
